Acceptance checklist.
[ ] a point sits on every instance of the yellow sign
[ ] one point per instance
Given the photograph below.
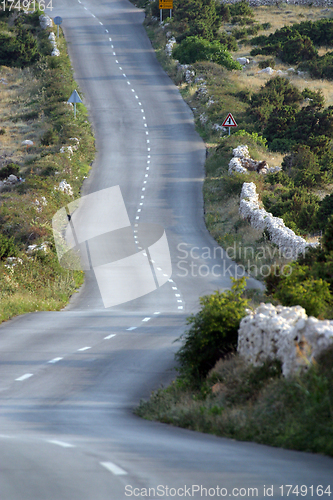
(165, 4)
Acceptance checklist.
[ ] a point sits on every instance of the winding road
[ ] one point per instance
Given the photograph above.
(69, 380)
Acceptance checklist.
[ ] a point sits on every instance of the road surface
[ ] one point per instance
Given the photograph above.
(69, 380)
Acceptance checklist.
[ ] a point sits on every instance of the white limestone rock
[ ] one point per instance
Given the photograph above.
(283, 333)
(241, 152)
(169, 46)
(267, 70)
(64, 187)
(289, 243)
(243, 60)
(45, 22)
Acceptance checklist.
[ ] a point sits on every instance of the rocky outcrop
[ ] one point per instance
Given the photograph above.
(64, 187)
(283, 333)
(243, 163)
(169, 46)
(55, 50)
(290, 245)
(45, 22)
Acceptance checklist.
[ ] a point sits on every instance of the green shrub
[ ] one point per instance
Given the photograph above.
(49, 137)
(7, 247)
(327, 239)
(300, 288)
(213, 331)
(241, 8)
(267, 62)
(266, 26)
(196, 18)
(228, 41)
(194, 48)
(325, 211)
(224, 12)
(296, 206)
(304, 167)
(297, 49)
(320, 67)
(11, 168)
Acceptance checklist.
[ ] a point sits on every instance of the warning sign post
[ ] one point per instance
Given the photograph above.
(165, 4)
(229, 122)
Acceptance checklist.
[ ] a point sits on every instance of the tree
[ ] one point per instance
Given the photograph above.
(196, 17)
(213, 331)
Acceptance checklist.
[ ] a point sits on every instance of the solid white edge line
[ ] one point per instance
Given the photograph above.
(111, 467)
(60, 443)
(24, 377)
(110, 336)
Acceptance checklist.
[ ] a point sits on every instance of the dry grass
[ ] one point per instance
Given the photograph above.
(15, 98)
(283, 15)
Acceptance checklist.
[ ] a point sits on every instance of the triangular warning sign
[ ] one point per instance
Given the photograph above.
(229, 121)
(74, 97)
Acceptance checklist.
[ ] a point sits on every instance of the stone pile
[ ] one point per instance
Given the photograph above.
(43, 247)
(290, 245)
(243, 163)
(64, 187)
(169, 46)
(55, 52)
(187, 72)
(283, 333)
(45, 22)
(10, 181)
(69, 150)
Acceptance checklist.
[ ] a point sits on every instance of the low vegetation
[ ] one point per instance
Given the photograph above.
(253, 404)
(285, 120)
(231, 399)
(35, 88)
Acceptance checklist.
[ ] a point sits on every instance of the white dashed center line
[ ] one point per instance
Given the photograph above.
(146, 319)
(24, 377)
(60, 443)
(84, 348)
(55, 360)
(110, 336)
(117, 471)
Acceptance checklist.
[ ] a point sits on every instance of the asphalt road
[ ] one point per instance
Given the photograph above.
(69, 380)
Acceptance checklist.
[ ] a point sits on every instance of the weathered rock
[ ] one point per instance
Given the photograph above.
(267, 70)
(243, 60)
(64, 187)
(283, 333)
(290, 245)
(169, 46)
(45, 22)
(12, 179)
